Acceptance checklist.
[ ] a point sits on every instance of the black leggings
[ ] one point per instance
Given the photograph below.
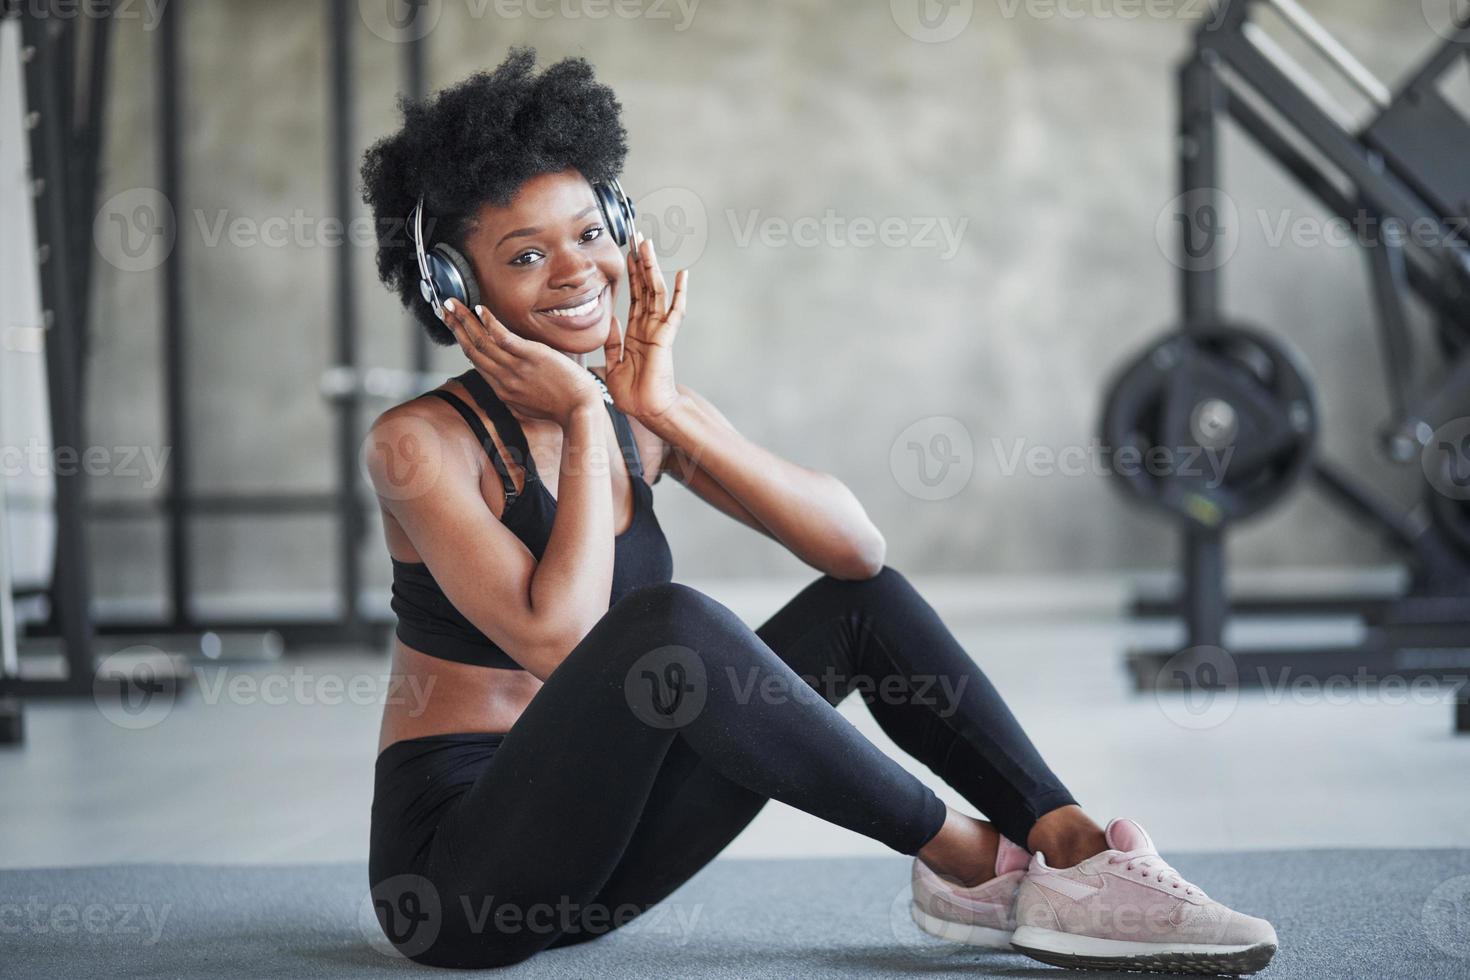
(656, 742)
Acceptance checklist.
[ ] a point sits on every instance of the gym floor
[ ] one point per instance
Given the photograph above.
(272, 763)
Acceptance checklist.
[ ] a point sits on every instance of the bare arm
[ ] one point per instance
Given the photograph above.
(534, 611)
(812, 513)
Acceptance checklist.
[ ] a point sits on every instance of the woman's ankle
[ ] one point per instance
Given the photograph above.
(964, 850)
(1066, 836)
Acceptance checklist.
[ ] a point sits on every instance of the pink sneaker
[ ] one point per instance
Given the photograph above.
(982, 915)
(1126, 909)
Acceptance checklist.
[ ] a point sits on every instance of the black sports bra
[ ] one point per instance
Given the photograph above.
(429, 622)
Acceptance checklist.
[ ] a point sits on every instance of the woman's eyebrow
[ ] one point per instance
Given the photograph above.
(527, 232)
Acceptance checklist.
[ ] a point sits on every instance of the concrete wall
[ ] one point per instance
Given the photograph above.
(1042, 133)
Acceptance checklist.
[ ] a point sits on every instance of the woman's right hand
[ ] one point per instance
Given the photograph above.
(533, 379)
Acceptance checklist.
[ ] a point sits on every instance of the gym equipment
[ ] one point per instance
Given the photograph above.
(1213, 424)
(1404, 171)
(65, 62)
(12, 715)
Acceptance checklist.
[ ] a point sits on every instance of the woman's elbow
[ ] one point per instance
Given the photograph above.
(863, 560)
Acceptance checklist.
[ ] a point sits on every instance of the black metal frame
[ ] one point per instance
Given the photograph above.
(65, 156)
(1425, 633)
(61, 185)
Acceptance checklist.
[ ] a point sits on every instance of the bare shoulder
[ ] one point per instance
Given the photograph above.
(412, 432)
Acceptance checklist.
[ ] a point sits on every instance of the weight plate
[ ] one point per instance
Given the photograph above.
(1214, 423)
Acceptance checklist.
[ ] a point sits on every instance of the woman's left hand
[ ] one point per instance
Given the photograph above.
(640, 361)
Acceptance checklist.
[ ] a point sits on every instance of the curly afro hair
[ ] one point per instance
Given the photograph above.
(476, 143)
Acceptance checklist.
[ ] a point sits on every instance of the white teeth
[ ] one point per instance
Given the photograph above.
(585, 308)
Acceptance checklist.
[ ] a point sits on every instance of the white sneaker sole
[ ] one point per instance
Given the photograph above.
(1086, 952)
(960, 932)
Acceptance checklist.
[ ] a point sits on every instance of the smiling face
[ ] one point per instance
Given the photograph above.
(547, 266)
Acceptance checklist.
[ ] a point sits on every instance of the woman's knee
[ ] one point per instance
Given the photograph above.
(887, 586)
(672, 612)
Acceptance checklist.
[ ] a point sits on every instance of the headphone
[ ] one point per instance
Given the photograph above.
(444, 273)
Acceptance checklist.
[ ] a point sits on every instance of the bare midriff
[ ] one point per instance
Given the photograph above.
(432, 696)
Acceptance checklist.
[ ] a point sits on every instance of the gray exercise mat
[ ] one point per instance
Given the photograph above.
(1339, 913)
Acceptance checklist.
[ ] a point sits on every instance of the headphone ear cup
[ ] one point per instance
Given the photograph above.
(614, 215)
(453, 276)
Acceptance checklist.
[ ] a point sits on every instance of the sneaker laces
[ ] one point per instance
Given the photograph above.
(1150, 864)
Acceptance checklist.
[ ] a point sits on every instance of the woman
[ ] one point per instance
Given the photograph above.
(592, 734)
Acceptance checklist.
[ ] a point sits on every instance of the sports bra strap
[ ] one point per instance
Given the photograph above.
(485, 442)
(625, 440)
(624, 430)
(514, 436)
(511, 433)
